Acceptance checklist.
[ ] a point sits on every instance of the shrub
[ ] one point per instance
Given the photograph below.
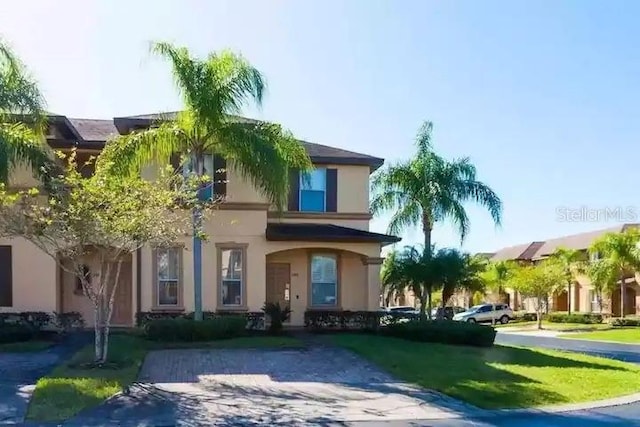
(36, 319)
(181, 329)
(254, 319)
(15, 333)
(586, 318)
(69, 321)
(627, 321)
(277, 315)
(443, 331)
(327, 320)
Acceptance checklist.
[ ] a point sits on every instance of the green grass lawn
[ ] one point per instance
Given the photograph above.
(25, 346)
(623, 335)
(498, 377)
(69, 389)
(557, 326)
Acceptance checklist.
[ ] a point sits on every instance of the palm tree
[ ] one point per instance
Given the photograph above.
(22, 119)
(496, 277)
(414, 269)
(427, 189)
(572, 262)
(214, 90)
(461, 272)
(603, 277)
(622, 252)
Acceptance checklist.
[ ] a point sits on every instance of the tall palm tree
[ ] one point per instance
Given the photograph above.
(622, 252)
(427, 189)
(214, 90)
(22, 119)
(572, 262)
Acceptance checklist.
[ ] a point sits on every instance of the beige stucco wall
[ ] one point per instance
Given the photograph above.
(353, 280)
(34, 277)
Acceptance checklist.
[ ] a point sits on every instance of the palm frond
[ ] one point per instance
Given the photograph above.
(21, 145)
(128, 154)
(19, 93)
(263, 154)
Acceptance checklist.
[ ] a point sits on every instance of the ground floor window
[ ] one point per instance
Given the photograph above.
(324, 280)
(593, 299)
(168, 276)
(232, 275)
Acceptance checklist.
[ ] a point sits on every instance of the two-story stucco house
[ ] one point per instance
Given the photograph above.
(318, 254)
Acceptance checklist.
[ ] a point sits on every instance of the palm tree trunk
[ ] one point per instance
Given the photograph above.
(426, 229)
(197, 248)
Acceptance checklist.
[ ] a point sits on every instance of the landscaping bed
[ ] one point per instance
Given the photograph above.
(500, 376)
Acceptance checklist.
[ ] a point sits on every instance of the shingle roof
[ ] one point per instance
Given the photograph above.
(324, 233)
(577, 241)
(101, 130)
(541, 249)
(94, 129)
(510, 253)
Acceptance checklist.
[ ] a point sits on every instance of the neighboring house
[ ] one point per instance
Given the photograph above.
(318, 254)
(582, 297)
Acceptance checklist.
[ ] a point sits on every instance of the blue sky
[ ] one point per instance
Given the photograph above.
(542, 95)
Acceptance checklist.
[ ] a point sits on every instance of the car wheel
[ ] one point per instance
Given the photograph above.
(471, 320)
(504, 320)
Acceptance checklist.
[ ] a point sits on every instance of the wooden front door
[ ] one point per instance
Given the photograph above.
(122, 305)
(279, 283)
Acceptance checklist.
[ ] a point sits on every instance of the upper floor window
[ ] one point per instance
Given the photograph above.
(595, 256)
(214, 167)
(313, 191)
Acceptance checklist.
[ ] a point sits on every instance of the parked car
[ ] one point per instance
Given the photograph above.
(485, 313)
(402, 309)
(449, 312)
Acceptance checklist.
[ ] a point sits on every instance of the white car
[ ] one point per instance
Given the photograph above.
(485, 313)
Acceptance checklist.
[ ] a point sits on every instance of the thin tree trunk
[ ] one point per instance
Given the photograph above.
(622, 294)
(97, 335)
(107, 323)
(539, 313)
(569, 298)
(429, 304)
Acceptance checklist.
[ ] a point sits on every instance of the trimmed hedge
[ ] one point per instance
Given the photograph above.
(15, 333)
(585, 318)
(627, 321)
(255, 320)
(331, 321)
(443, 331)
(180, 329)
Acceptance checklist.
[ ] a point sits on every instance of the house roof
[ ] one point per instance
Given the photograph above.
(517, 252)
(540, 249)
(94, 130)
(95, 133)
(578, 241)
(324, 233)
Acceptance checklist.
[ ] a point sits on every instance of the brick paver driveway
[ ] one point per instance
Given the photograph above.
(318, 386)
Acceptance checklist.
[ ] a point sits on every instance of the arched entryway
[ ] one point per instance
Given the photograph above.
(629, 303)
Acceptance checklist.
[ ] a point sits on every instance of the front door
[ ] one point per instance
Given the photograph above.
(122, 308)
(279, 283)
